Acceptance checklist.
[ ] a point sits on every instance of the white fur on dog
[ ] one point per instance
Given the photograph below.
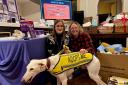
(37, 66)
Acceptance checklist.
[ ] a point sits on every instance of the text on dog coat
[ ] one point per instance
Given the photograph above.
(71, 60)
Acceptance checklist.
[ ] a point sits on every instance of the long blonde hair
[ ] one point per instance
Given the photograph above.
(54, 31)
(78, 25)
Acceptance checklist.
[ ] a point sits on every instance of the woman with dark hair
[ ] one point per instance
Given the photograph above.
(57, 39)
(55, 43)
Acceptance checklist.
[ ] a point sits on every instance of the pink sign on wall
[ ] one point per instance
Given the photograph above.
(55, 11)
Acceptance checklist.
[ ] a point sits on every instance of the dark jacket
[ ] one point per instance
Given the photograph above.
(55, 45)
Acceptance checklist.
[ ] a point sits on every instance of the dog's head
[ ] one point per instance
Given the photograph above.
(34, 68)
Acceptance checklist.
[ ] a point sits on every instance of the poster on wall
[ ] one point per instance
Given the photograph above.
(1, 6)
(11, 5)
(5, 9)
(52, 11)
(56, 9)
(8, 9)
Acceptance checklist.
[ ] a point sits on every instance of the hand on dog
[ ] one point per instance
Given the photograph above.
(83, 51)
(66, 49)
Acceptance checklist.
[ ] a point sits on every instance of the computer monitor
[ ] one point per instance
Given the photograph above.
(78, 16)
(56, 9)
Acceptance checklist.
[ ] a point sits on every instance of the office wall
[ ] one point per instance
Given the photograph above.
(113, 9)
(81, 5)
(89, 7)
(107, 8)
(19, 6)
(125, 5)
(29, 10)
(104, 8)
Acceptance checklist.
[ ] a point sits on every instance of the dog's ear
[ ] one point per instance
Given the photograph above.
(46, 67)
(41, 64)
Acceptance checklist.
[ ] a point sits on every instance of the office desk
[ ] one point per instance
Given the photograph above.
(15, 55)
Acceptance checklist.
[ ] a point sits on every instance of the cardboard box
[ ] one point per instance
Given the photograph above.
(113, 65)
(114, 80)
(88, 19)
(119, 26)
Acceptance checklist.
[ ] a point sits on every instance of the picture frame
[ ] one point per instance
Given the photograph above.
(11, 5)
(1, 17)
(1, 6)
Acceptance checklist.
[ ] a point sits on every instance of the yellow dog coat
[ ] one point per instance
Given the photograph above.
(71, 60)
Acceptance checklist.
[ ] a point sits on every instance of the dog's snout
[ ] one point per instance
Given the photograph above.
(25, 81)
(22, 80)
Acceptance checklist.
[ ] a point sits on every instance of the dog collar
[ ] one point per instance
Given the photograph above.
(48, 63)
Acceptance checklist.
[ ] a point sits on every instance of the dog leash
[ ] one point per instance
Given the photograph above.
(64, 47)
(48, 63)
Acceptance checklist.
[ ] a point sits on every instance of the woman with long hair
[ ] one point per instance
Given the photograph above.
(79, 40)
(55, 43)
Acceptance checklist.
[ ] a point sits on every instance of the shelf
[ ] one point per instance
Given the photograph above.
(5, 24)
(109, 35)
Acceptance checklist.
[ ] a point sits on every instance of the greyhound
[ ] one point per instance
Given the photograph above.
(36, 66)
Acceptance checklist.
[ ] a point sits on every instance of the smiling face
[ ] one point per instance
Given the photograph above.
(59, 28)
(74, 30)
(34, 68)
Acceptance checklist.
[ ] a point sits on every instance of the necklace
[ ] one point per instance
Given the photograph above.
(59, 45)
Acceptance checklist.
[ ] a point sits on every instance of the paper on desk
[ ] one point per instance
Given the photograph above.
(42, 36)
(120, 16)
(108, 24)
(87, 24)
(9, 38)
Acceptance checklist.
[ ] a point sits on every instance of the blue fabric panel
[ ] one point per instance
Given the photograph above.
(14, 57)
